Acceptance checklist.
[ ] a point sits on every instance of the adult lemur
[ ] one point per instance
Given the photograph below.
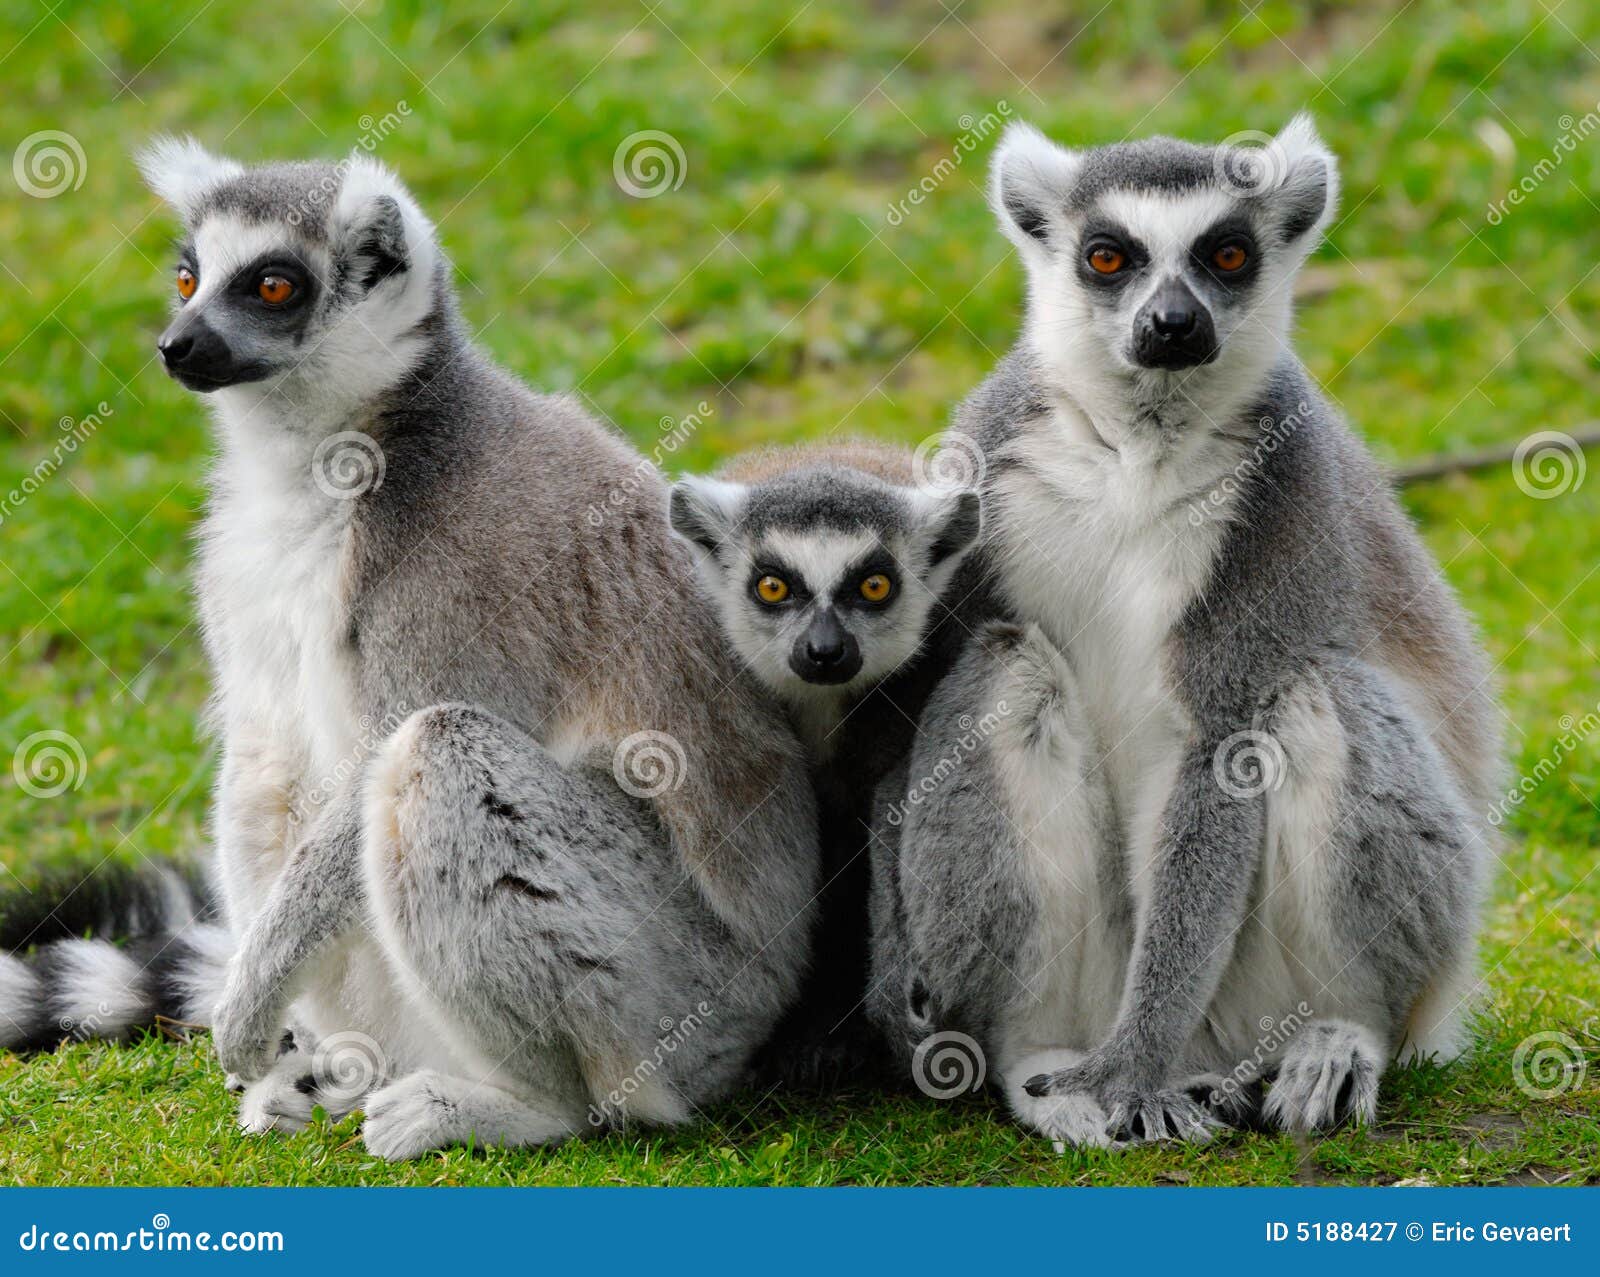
(494, 792)
(1299, 739)
(828, 566)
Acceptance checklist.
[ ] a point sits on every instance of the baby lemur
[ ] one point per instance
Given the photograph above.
(422, 647)
(1295, 727)
(826, 566)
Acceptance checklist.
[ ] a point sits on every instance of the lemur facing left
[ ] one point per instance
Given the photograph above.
(494, 792)
(829, 568)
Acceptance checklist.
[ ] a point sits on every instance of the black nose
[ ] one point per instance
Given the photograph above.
(826, 652)
(1179, 321)
(175, 349)
(1173, 329)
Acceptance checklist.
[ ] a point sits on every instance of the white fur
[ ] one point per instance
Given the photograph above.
(179, 169)
(200, 979)
(99, 990)
(20, 994)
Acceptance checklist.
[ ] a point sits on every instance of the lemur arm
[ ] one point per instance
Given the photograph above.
(315, 899)
(1203, 869)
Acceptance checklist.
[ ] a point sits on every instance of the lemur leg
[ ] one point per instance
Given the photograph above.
(1009, 873)
(1340, 887)
(542, 919)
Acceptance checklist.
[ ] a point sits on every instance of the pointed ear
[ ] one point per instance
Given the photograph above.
(1030, 179)
(954, 520)
(376, 228)
(1308, 192)
(704, 511)
(178, 169)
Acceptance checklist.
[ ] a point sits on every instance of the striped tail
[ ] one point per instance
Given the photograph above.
(104, 954)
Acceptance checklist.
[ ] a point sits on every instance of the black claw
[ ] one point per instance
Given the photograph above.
(1038, 1086)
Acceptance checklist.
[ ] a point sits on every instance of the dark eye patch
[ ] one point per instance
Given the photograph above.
(1234, 229)
(243, 284)
(1104, 232)
(798, 592)
(878, 562)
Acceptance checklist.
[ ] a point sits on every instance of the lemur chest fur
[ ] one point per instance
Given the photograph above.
(273, 581)
(1097, 547)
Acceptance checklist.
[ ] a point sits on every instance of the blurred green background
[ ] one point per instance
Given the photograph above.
(778, 278)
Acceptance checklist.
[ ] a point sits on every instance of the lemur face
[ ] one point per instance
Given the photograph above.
(824, 579)
(1161, 257)
(315, 273)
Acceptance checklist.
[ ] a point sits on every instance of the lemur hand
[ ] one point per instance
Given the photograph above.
(247, 1025)
(1139, 1112)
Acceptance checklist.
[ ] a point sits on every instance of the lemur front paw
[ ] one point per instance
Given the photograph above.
(1137, 1113)
(245, 1031)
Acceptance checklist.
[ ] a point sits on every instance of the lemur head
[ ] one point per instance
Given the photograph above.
(300, 277)
(1159, 266)
(824, 577)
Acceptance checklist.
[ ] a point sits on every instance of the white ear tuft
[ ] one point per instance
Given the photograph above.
(1030, 178)
(179, 168)
(703, 511)
(1309, 189)
(952, 519)
(375, 216)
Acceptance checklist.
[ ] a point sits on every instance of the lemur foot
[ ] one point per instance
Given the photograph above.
(1234, 1103)
(1136, 1114)
(1078, 1119)
(1328, 1075)
(425, 1110)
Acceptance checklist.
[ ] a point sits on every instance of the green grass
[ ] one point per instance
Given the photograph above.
(772, 285)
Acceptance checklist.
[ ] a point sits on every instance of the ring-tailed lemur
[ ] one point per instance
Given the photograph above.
(828, 567)
(1300, 738)
(494, 792)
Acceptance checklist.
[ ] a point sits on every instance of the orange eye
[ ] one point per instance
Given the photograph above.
(1229, 257)
(274, 289)
(876, 588)
(772, 589)
(187, 283)
(1107, 260)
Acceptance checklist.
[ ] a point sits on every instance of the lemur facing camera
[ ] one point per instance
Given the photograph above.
(1299, 735)
(827, 566)
(495, 795)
